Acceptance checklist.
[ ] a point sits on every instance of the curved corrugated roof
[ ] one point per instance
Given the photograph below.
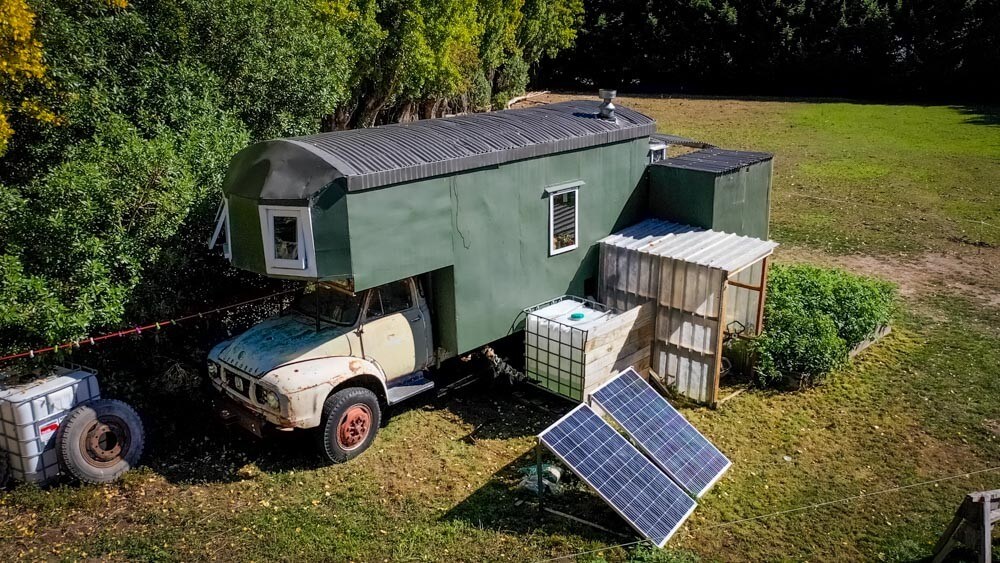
(391, 154)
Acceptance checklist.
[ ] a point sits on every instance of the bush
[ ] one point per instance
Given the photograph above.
(813, 317)
(858, 305)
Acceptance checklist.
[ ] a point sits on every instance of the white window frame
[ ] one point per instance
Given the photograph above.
(222, 220)
(553, 251)
(657, 148)
(305, 266)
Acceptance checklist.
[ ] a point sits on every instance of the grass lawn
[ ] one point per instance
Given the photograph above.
(910, 187)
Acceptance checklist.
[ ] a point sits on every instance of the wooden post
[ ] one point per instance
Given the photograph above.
(719, 336)
(971, 526)
(985, 546)
(763, 292)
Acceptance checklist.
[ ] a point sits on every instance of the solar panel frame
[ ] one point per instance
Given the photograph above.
(648, 471)
(653, 452)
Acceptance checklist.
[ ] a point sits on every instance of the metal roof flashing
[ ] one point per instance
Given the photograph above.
(406, 152)
(715, 160)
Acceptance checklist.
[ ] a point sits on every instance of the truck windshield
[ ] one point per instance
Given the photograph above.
(331, 305)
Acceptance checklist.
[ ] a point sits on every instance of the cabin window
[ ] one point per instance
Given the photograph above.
(563, 221)
(221, 237)
(287, 235)
(286, 238)
(657, 151)
(388, 299)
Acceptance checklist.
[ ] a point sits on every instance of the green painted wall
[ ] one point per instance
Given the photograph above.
(491, 225)
(400, 231)
(742, 201)
(247, 244)
(682, 196)
(737, 202)
(331, 234)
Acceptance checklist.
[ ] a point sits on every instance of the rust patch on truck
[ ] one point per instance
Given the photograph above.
(355, 366)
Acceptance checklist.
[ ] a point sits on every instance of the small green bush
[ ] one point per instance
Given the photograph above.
(813, 317)
(858, 305)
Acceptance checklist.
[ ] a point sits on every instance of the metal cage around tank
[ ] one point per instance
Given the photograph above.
(558, 364)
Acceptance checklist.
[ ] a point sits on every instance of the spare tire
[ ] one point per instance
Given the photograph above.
(100, 440)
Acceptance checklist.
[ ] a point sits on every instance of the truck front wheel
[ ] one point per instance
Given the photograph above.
(351, 418)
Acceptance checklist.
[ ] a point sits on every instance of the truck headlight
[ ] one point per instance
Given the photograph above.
(268, 397)
(213, 370)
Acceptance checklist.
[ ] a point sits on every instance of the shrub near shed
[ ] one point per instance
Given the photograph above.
(813, 317)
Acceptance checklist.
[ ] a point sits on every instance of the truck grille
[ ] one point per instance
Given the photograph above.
(238, 383)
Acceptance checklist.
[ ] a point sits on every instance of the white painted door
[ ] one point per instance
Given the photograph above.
(395, 332)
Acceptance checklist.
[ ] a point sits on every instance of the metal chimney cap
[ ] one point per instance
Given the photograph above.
(606, 94)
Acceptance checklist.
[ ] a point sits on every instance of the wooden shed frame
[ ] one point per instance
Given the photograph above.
(693, 276)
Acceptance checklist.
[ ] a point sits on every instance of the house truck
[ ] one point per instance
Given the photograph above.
(433, 240)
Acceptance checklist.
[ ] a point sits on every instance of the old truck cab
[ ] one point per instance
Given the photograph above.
(333, 360)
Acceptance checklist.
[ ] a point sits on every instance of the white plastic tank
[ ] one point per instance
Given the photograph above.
(555, 341)
(30, 415)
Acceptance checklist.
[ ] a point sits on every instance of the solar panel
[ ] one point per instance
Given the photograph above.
(662, 433)
(653, 504)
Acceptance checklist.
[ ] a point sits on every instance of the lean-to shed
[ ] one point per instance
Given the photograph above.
(703, 283)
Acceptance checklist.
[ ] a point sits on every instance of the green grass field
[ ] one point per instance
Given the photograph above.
(911, 193)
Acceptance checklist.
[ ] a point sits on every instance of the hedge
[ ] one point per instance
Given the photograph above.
(813, 317)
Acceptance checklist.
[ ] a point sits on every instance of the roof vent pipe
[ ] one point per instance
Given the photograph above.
(608, 108)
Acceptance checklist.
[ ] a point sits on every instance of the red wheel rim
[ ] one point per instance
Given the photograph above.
(106, 441)
(354, 427)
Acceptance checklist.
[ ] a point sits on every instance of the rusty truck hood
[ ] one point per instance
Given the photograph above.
(284, 339)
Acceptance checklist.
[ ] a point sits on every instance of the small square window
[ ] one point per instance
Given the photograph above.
(287, 233)
(563, 221)
(657, 151)
(286, 238)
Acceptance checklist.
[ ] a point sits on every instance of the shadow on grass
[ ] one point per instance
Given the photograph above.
(502, 506)
(980, 115)
(186, 443)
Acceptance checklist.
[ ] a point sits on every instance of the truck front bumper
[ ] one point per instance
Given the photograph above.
(232, 412)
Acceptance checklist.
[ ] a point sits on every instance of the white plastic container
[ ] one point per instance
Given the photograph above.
(30, 415)
(556, 334)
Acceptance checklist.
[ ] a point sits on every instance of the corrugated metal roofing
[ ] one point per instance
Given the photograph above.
(391, 154)
(712, 249)
(680, 141)
(719, 161)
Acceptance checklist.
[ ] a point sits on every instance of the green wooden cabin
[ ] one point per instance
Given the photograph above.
(502, 210)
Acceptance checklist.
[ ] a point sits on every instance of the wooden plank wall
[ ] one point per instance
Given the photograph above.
(618, 344)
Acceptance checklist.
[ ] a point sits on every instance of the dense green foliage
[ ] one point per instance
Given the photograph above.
(118, 136)
(862, 48)
(813, 317)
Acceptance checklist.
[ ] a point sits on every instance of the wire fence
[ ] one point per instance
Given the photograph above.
(805, 508)
(94, 340)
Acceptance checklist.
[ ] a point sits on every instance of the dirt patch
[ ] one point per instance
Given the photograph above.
(972, 274)
(993, 425)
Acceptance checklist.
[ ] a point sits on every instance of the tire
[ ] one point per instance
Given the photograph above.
(100, 440)
(351, 419)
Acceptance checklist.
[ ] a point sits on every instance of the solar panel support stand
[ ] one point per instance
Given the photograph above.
(538, 473)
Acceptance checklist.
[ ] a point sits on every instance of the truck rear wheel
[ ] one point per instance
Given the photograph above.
(351, 418)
